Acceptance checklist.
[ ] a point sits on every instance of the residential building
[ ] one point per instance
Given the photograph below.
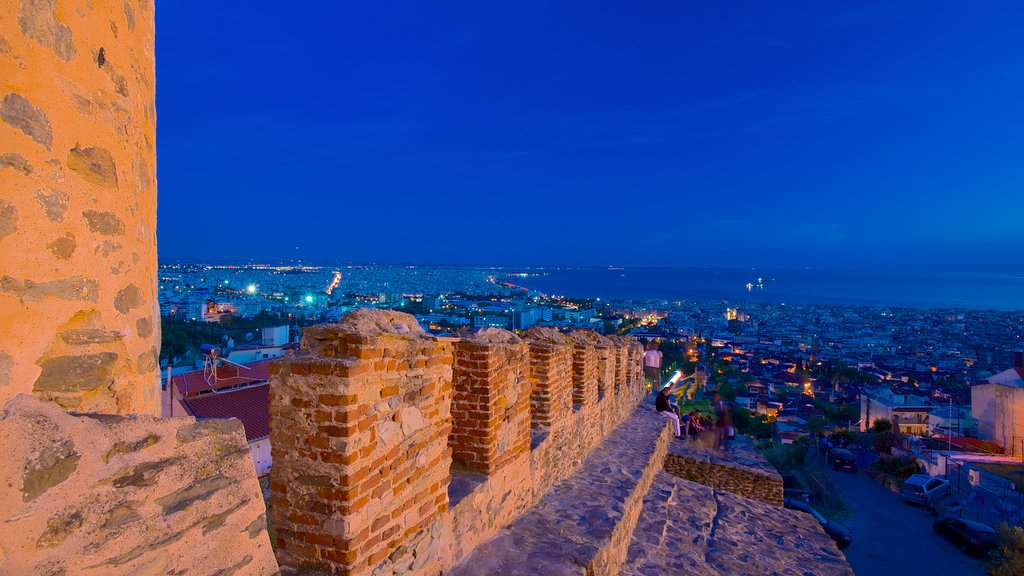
(909, 411)
(998, 405)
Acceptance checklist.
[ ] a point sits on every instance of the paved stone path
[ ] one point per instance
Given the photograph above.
(689, 528)
(579, 522)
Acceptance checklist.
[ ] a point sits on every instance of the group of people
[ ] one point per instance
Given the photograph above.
(689, 425)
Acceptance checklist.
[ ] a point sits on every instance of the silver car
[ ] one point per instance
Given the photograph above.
(923, 489)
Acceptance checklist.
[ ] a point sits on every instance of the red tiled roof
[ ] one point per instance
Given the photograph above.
(193, 383)
(251, 405)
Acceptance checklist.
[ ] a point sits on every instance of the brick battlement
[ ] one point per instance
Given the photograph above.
(372, 419)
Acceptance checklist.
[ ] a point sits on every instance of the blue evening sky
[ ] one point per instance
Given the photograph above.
(684, 133)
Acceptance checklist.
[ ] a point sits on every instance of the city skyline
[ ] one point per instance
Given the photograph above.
(822, 136)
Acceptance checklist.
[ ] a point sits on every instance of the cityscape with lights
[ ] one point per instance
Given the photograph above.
(905, 388)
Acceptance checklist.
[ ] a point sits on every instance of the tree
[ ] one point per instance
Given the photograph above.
(884, 441)
(815, 424)
(1009, 558)
(881, 425)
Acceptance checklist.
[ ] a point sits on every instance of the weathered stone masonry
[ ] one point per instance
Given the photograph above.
(78, 263)
(360, 426)
(585, 370)
(107, 489)
(101, 495)
(363, 440)
(491, 401)
(550, 369)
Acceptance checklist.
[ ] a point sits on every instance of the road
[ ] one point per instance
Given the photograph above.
(890, 537)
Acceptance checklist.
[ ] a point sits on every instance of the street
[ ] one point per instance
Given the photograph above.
(891, 537)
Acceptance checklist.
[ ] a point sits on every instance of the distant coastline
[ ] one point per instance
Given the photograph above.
(960, 290)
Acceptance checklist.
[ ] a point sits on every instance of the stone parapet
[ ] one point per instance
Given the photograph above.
(108, 495)
(741, 469)
(490, 401)
(619, 361)
(360, 423)
(550, 377)
(586, 369)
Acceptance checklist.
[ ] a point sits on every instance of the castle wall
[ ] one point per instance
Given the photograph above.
(360, 422)
(491, 401)
(550, 369)
(355, 491)
(78, 268)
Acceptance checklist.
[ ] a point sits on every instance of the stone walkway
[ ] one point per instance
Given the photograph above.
(583, 524)
(624, 513)
(689, 528)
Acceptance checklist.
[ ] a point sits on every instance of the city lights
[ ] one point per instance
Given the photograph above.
(251, 288)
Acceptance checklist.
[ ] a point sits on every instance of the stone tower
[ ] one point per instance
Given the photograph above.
(78, 303)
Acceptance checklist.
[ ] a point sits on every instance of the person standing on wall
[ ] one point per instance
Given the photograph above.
(652, 365)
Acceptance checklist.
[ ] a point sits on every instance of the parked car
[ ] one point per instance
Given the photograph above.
(923, 489)
(974, 538)
(843, 459)
(835, 530)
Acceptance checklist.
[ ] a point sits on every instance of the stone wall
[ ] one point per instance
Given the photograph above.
(550, 370)
(106, 495)
(619, 361)
(585, 370)
(356, 491)
(742, 469)
(490, 401)
(78, 269)
(360, 421)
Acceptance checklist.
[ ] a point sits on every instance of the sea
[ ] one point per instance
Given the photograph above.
(951, 290)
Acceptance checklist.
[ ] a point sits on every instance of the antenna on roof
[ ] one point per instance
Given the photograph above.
(211, 356)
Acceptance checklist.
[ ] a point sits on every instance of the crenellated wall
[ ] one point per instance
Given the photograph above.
(550, 369)
(490, 401)
(396, 452)
(360, 423)
(78, 270)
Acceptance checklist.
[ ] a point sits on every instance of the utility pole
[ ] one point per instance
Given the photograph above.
(949, 424)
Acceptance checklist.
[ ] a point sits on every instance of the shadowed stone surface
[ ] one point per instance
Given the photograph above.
(8, 218)
(104, 222)
(144, 327)
(75, 373)
(582, 525)
(689, 528)
(73, 288)
(52, 466)
(129, 498)
(38, 20)
(86, 336)
(94, 164)
(128, 298)
(17, 111)
(63, 247)
(16, 162)
(5, 369)
(54, 202)
(740, 468)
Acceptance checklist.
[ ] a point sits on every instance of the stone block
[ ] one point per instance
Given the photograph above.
(343, 488)
(108, 495)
